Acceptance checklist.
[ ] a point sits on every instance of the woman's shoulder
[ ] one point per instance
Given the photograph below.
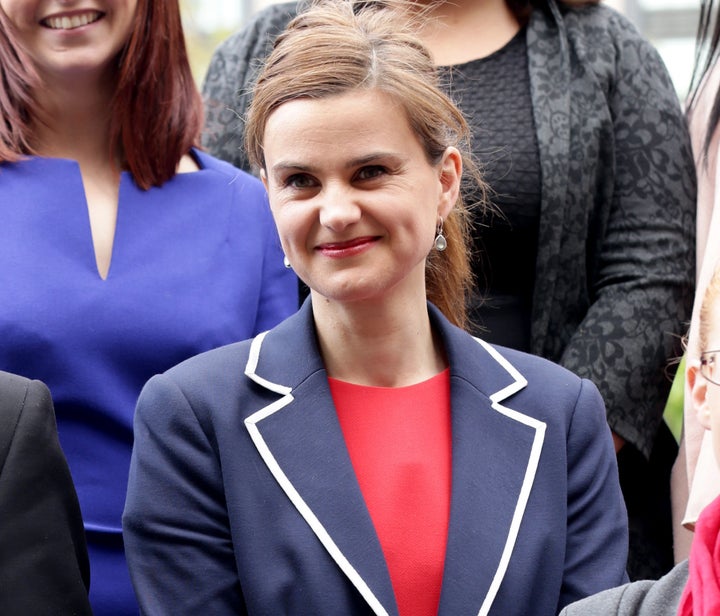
(17, 392)
(549, 391)
(12, 384)
(209, 367)
(230, 361)
(223, 184)
(229, 171)
(641, 598)
(475, 356)
(539, 370)
(275, 15)
(529, 383)
(610, 46)
(216, 383)
(600, 24)
(283, 352)
(40, 168)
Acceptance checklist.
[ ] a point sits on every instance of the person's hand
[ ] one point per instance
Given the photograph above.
(619, 442)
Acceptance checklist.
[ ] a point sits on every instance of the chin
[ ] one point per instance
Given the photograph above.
(350, 286)
(352, 294)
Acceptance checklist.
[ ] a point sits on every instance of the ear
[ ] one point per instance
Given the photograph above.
(450, 175)
(698, 393)
(264, 178)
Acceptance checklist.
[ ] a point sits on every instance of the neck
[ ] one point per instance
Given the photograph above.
(73, 122)
(458, 31)
(381, 344)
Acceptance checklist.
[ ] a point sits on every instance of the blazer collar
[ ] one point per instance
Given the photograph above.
(495, 453)
(269, 365)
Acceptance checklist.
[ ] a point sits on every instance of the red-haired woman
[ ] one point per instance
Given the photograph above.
(123, 249)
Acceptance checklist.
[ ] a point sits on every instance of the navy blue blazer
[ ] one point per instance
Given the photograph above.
(242, 498)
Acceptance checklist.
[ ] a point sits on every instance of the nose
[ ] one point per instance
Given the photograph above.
(339, 207)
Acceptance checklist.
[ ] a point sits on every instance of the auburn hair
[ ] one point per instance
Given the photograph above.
(337, 46)
(156, 111)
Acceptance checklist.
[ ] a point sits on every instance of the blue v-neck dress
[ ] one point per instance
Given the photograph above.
(196, 264)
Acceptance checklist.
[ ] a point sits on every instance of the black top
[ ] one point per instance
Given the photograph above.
(494, 94)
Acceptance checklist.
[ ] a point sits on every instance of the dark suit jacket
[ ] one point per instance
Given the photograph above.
(44, 566)
(242, 496)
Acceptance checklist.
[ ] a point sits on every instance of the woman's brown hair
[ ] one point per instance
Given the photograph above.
(336, 46)
(156, 111)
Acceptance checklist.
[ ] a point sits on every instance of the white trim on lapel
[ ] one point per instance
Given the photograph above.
(286, 484)
(533, 461)
(251, 366)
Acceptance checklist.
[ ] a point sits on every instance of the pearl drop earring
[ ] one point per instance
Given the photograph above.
(440, 241)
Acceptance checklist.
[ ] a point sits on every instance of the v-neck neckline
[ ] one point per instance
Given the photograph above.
(125, 183)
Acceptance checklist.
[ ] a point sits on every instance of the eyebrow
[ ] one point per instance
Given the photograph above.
(355, 162)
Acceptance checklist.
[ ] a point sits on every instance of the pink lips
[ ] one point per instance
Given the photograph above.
(349, 248)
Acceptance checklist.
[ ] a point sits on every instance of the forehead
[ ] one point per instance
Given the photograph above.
(339, 125)
(713, 326)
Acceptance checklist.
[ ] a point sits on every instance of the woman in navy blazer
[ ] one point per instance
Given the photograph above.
(256, 485)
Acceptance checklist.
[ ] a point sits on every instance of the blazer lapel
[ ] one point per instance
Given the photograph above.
(496, 451)
(300, 440)
(495, 454)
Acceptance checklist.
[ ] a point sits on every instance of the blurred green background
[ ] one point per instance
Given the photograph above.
(206, 24)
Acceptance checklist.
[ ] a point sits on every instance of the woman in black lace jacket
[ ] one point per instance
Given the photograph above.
(590, 263)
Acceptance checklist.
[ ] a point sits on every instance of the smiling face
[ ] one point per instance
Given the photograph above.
(70, 38)
(354, 197)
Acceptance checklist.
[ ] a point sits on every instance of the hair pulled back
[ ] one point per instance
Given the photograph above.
(336, 46)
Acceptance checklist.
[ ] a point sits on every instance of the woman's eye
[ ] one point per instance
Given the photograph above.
(299, 180)
(370, 172)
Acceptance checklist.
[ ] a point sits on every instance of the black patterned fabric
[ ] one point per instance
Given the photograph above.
(614, 273)
(494, 95)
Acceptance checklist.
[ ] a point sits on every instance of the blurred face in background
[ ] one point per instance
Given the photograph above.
(704, 377)
(71, 40)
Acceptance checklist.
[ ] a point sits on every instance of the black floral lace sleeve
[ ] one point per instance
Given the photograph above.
(615, 269)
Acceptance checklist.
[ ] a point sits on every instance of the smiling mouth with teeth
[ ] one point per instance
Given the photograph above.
(72, 21)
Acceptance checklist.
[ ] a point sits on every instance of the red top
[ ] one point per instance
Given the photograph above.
(399, 444)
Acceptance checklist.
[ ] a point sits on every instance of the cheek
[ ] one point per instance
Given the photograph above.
(712, 396)
(291, 223)
(716, 443)
(713, 402)
(18, 17)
